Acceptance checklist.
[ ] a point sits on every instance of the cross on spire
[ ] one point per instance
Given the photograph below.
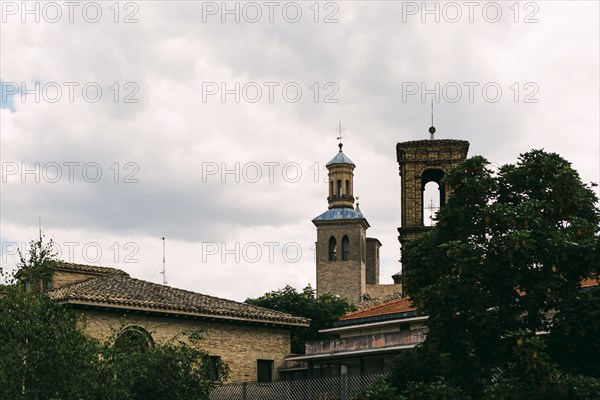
(431, 208)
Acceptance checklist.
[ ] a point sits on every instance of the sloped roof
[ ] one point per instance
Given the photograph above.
(340, 158)
(88, 269)
(120, 291)
(340, 213)
(589, 282)
(397, 306)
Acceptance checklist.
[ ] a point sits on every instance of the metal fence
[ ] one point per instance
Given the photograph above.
(340, 388)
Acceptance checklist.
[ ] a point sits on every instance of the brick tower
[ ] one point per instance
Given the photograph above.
(421, 162)
(341, 236)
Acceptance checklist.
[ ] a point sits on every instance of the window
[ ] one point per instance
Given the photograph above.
(332, 249)
(339, 189)
(134, 338)
(347, 188)
(214, 369)
(264, 371)
(345, 248)
(48, 284)
(331, 189)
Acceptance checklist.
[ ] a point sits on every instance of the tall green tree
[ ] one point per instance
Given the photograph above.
(508, 248)
(322, 311)
(42, 353)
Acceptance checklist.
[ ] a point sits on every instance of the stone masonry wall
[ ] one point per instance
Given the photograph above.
(343, 278)
(240, 346)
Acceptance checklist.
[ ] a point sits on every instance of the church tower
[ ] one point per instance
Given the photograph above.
(421, 162)
(341, 237)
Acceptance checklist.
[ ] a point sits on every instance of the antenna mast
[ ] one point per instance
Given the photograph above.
(432, 128)
(164, 270)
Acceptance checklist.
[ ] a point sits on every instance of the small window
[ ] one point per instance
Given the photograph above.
(345, 248)
(214, 368)
(347, 188)
(331, 189)
(48, 284)
(339, 189)
(264, 371)
(332, 249)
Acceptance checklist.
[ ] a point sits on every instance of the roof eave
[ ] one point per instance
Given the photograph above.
(95, 304)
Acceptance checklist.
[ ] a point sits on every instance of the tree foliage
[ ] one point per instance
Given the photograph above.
(322, 311)
(510, 248)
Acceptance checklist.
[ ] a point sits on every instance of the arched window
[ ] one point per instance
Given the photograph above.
(339, 189)
(332, 249)
(433, 195)
(345, 248)
(347, 188)
(134, 338)
(331, 189)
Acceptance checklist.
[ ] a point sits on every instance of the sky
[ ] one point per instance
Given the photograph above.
(210, 123)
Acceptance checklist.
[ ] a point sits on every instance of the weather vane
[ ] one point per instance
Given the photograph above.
(339, 130)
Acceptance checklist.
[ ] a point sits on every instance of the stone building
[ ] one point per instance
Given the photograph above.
(347, 260)
(252, 341)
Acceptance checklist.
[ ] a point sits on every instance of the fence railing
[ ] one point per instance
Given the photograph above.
(339, 388)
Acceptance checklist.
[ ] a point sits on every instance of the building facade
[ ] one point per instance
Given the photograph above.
(252, 341)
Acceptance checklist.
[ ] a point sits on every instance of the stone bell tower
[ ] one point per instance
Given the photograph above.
(421, 162)
(341, 236)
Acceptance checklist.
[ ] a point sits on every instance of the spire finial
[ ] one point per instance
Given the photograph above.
(431, 128)
(339, 130)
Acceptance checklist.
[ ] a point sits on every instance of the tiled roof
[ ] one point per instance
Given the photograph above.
(589, 282)
(391, 307)
(88, 269)
(119, 291)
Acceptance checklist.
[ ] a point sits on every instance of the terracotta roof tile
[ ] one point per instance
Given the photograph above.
(589, 282)
(117, 290)
(88, 269)
(391, 307)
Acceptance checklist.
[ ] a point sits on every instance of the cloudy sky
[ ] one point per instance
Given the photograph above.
(210, 123)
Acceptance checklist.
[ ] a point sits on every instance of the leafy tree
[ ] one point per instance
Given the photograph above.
(508, 248)
(322, 311)
(42, 353)
(36, 268)
(177, 369)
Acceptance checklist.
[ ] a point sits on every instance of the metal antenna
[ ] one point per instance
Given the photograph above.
(164, 270)
(432, 128)
(40, 226)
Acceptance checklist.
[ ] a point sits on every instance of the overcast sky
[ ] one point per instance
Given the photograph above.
(215, 121)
